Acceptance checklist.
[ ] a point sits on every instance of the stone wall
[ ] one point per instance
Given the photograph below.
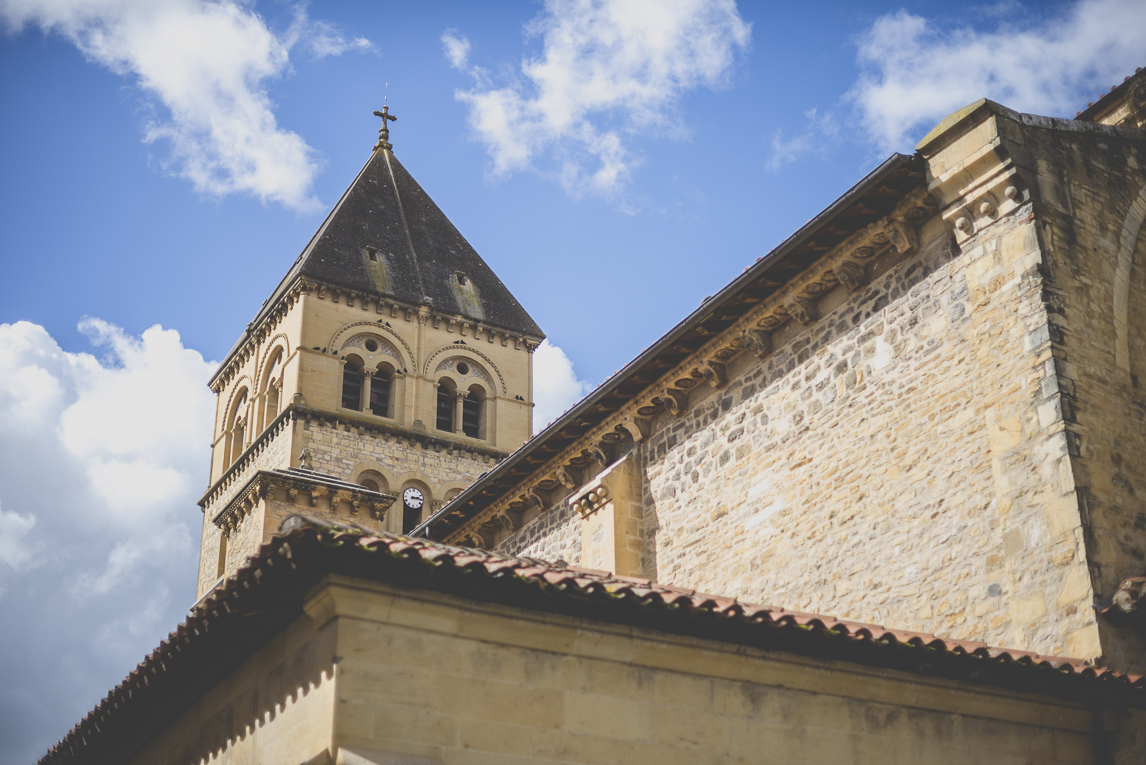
(344, 450)
(273, 453)
(1094, 202)
(552, 536)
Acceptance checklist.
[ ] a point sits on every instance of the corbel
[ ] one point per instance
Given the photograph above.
(379, 306)
(504, 339)
(565, 478)
(716, 373)
(335, 295)
(757, 341)
(676, 401)
(851, 274)
(504, 519)
(802, 309)
(596, 454)
(475, 539)
(637, 427)
(902, 236)
(531, 497)
(292, 493)
(315, 493)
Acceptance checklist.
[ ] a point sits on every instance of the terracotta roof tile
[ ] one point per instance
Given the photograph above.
(260, 599)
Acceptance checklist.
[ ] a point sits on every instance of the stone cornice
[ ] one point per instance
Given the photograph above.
(265, 482)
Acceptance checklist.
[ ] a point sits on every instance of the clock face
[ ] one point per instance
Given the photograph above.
(412, 497)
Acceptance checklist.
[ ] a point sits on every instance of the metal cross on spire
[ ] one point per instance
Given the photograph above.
(384, 132)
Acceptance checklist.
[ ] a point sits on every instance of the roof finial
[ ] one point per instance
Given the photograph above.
(387, 117)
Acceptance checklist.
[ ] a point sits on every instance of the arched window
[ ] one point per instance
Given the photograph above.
(352, 377)
(272, 385)
(472, 411)
(380, 385)
(446, 392)
(237, 432)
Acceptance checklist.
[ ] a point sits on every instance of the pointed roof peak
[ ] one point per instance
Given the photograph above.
(385, 237)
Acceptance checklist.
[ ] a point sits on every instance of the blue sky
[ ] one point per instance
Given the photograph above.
(614, 162)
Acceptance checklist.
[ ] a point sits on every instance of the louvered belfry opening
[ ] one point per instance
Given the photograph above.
(352, 386)
(471, 414)
(445, 406)
(380, 393)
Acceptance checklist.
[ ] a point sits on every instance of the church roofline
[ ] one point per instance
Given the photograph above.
(899, 174)
(248, 608)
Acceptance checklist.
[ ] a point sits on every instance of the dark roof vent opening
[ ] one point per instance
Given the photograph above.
(461, 278)
(372, 253)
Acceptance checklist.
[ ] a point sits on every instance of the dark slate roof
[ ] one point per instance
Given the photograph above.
(419, 253)
(248, 608)
(874, 197)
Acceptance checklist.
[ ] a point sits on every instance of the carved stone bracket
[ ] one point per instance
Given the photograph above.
(716, 373)
(802, 309)
(637, 427)
(757, 341)
(676, 401)
(851, 274)
(565, 478)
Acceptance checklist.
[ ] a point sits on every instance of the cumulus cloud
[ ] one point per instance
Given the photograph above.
(102, 457)
(555, 385)
(208, 64)
(915, 71)
(607, 70)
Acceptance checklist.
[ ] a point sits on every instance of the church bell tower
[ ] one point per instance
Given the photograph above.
(385, 373)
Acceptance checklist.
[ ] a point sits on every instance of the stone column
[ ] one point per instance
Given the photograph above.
(459, 397)
(364, 403)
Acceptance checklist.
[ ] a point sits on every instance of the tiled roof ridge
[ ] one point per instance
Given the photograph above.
(588, 580)
(301, 534)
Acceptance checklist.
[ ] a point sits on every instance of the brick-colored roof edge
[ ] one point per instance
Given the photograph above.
(272, 585)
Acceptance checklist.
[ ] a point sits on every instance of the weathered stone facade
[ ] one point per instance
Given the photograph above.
(947, 440)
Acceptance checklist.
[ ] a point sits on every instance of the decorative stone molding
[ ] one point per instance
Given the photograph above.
(462, 350)
(638, 428)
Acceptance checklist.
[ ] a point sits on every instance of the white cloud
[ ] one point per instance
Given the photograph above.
(209, 65)
(608, 69)
(109, 445)
(817, 137)
(555, 385)
(14, 549)
(102, 457)
(916, 71)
